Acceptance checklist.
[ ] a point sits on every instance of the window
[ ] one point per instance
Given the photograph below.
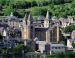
(59, 47)
(55, 47)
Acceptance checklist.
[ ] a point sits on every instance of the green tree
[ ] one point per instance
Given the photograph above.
(73, 44)
(5, 51)
(69, 28)
(8, 10)
(20, 47)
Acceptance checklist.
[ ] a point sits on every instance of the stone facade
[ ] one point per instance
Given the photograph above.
(42, 28)
(29, 27)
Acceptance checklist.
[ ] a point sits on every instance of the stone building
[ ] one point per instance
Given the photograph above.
(29, 27)
(45, 47)
(73, 34)
(42, 28)
(67, 21)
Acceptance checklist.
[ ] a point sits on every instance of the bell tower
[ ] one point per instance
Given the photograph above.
(30, 26)
(27, 27)
(46, 21)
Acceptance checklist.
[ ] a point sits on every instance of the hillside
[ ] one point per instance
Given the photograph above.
(58, 8)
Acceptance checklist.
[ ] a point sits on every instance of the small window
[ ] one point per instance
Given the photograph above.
(55, 47)
(59, 47)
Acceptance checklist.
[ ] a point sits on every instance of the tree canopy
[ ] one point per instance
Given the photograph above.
(69, 28)
(58, 8)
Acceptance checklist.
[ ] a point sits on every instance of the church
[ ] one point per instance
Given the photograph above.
(31, 28)
(42, 28)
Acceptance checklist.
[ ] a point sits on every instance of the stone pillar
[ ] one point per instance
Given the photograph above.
(58, 34)
(26, 33)
(47, 36)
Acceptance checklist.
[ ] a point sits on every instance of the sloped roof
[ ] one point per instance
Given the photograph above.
(56, 45)
(47, 15)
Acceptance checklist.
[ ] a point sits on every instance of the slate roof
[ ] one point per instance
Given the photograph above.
(56, 45)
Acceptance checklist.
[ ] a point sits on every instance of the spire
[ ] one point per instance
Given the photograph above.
(11, 14)
(30, 17)
(47, 15)
(4, 32)
(25, 19)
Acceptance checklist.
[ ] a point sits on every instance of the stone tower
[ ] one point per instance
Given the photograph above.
(46, 21)
(47, 25)
(27, 29)
(31, 26)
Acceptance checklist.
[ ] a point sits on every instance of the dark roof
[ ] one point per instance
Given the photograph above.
(41, 18)
(12, 18)
(38, 18)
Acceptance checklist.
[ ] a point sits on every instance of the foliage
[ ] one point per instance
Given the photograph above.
(69, 28)
(58, 8)
(62, 55)
(73, 44)
(18, 50)
(4, 51)
(8, 10)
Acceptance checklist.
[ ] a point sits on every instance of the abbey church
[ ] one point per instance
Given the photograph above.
(42, 28)
(32, 30)
(29, 28)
